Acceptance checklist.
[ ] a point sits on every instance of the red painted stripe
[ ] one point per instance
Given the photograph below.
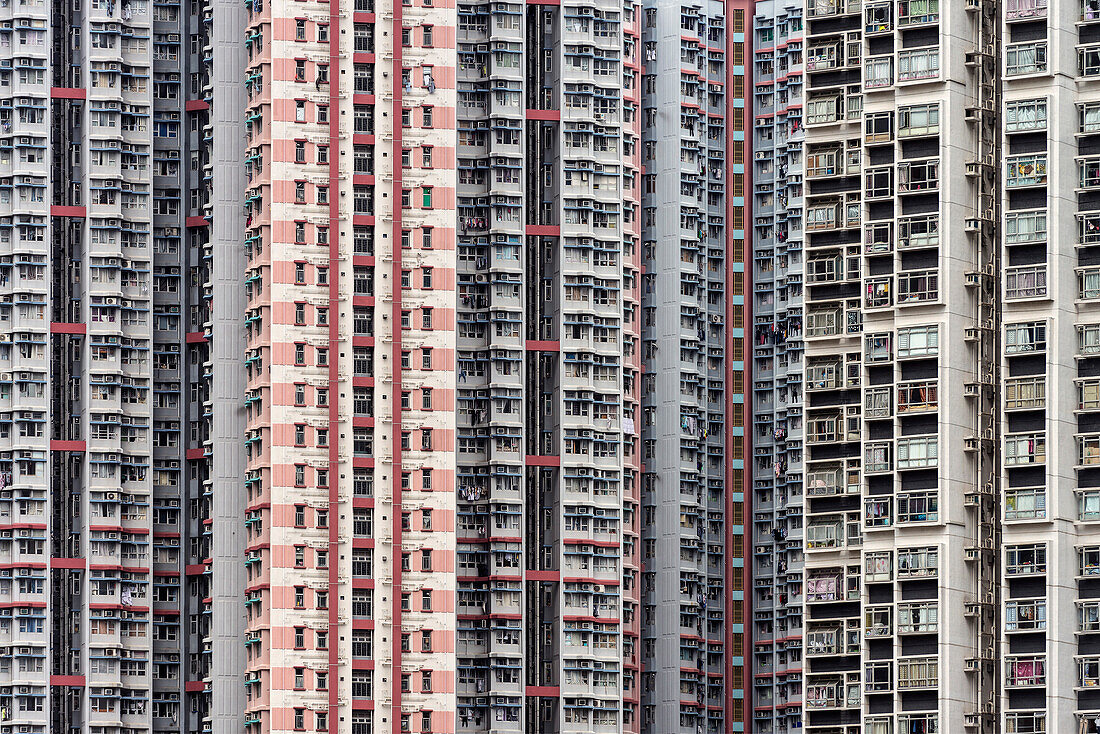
(534, 345)
(544, 691)
(68, 93)
(58, 327)
(68, 681)
(78, 563)
(533, 460)
(74, 446)
(77, 212)
(544, 230)
(549, 115)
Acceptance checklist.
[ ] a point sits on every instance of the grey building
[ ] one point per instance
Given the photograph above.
(777, 379)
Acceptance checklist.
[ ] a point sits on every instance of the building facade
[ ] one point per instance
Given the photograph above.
(777, 381)
(340, 392)
(693, 248)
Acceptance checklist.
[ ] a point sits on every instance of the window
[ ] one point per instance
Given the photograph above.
(1088, 117)
(1025, 58)
(918, 617)
(878, 72)
(1025, 227)
(1025, 670)
(918, 506)
(427, 197)
(1025, 614)
(1026, 281)
(919, 64)
(1088, 60)
(917, 452)
(1089, 557)
(1027, 115)
(918, 562)
(1022, 393)
(920, 672)
(1022, 449)
(1025, 560)
(918, 120)
(918, 341)
(1023, 338)
(1026, 170)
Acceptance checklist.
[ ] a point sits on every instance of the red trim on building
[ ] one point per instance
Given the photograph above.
(196, 105)
(75, 563)
(534, 345)
(543, 230)
(197, 337)
(67, 681)
(74, 446)
(544, 691)
(75, 212)
(534, 460)
(193, 222)
(68, 93)
(59, 327)
(548, 115)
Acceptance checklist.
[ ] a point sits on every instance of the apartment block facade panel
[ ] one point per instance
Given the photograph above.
(335, 397)
(899, 314)
(777, 377)
(693, 249)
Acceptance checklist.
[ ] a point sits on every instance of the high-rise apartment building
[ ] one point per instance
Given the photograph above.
(693, 250)
(122, 443)
(775, 336)
(373, 367)
(900, 334)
